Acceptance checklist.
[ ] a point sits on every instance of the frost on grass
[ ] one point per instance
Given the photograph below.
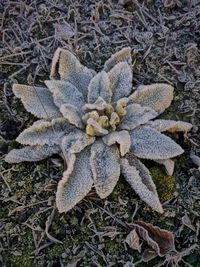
(100, 126)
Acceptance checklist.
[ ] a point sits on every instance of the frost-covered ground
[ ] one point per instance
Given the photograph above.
(164, 37)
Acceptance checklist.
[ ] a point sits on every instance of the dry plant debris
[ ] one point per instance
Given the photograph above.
(161, 242)
(99, 126)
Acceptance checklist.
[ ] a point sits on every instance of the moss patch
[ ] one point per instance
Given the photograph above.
(165, 184)
(55, 251)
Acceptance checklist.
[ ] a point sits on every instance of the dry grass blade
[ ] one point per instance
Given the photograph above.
(48, 225)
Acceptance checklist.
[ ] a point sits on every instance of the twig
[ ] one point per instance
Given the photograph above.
(15, 55)
(5, 182)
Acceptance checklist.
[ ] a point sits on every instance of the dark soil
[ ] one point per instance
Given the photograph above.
(165, 39)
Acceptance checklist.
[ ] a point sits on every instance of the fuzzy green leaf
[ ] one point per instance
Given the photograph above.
(136, 115)
(148, 143)
(132, 176)
(37, 100)
(105, 167)
(99, 87)
(157, 96)
(68, 67)
(76, 182)
(121, 80)
(124, 55)
(65, 93)
(31, 153)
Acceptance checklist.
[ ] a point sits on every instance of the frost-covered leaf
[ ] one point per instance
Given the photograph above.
(122, 138)
(133, 241)
(114, 120)
(120, 80)
(31, 153)
(143, 172)
(136, 115)
(170, 126)
(162, 241)
(124, 55)
(76, 182)
(37, 100)
(168, 163)
(157, 96)
(99, 105)
(105, 167)
(121, 106)
(45, 132)
(68, 67)
(99, 86)
(132, 176)
(148, 143)
(65, 93)
(75, 143)
(72, 114)
(94, 128)
(148, 255)
(187, 222)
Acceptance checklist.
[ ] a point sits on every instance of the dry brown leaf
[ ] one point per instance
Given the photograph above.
(162, 241)
(148, 255)
(187, 222)
(133, 241)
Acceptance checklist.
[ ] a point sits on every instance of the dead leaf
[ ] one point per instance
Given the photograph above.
(148, 255)
(133, 241)
(63, 31)
(187, 222)
(162, 241)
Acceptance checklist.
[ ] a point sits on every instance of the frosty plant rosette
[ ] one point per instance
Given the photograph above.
(100, 125)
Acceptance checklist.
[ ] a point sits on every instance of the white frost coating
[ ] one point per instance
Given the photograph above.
(94, 128)
(68, 67)
(114, 120)
(37, 100)
(100, 105)
(72, 114)
(65, 93)
(121, 80)
(143, 172)
(157, 96)
(76, 182)
(168, 163)
(137, 115)
(105, 167)
(170, 126)
(31, 153)
(93, 115)
(122, 138)
(121, 106)
(148, 143)
(124, 55)
(131, 174)
(99, 86)
(75, 143)
(45, 132)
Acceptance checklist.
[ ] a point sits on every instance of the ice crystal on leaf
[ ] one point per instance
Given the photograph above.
(100, 126)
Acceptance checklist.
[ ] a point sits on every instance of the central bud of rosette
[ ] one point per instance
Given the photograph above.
(101, 118)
